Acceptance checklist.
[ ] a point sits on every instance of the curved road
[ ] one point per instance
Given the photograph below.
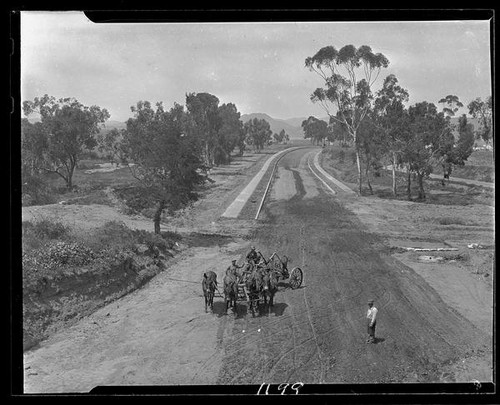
(316, 334)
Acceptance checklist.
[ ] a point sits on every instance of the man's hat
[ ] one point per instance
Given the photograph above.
(370, 301)
(234, 260)
(253, 247)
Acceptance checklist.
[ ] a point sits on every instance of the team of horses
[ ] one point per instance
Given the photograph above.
(260, 282)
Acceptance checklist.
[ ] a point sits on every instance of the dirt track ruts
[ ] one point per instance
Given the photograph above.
(324, 339)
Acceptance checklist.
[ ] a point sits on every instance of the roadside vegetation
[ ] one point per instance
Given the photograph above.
(69, 274)
(341, 163)
(381, 130)
(169, 152)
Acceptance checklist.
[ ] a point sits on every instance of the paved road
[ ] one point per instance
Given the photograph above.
(316, 334)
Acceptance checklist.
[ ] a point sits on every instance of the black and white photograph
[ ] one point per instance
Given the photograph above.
(268, 205)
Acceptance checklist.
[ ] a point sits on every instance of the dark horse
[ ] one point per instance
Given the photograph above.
(230, 291)
(209, 284)
(269, 287)
(253, 285)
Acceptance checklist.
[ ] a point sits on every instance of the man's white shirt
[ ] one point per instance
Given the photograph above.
(372, 314)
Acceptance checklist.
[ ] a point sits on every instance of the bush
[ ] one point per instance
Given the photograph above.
(45, 229)
(73, 253)
(35, 191)
(156, 242)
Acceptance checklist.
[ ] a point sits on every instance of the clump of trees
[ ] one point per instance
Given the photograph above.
(217, 127)
(316, 130)
(55, 144)
(169, 152)
(482, 110)
(379, 125)
(257, 133)
(281, 137)
(342, 91)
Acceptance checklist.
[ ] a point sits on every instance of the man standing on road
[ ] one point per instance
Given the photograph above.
(371, 317)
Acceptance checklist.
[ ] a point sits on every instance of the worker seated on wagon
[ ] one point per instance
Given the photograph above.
(252, 256)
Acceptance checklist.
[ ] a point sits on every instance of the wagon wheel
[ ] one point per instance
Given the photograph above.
(296, 277)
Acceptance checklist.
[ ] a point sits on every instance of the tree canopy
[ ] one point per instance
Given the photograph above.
(482, 110)
(258, 132)
(68, 128)
(348, 75)
(314, 129)
(166, 157)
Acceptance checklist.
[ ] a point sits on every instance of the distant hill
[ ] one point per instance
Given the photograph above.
(292, 126)
(297, 122)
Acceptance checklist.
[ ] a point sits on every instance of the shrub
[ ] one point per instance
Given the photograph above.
(35, 191)
(172, 236)
(45, 228)
(155, 242)
(72, 253)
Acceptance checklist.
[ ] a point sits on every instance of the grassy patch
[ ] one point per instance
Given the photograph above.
(51, 188)
(340, 162)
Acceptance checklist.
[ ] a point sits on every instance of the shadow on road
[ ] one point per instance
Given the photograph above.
(279, 309)
(219, 308)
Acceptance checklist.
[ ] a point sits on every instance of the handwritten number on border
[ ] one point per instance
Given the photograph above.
(282, 389)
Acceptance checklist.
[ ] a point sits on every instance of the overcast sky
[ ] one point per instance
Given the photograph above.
(257, 66)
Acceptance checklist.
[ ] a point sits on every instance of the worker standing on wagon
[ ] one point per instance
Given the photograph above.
(371, 317)
(233, 268)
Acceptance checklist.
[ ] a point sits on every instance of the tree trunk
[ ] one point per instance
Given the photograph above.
(367, 170)
(421, 191)
(394, 185)
(207, 155)
(358, 162)
(157, 216)
(408, 189)
(69, 181)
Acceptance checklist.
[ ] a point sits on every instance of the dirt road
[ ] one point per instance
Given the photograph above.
(315, 334)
